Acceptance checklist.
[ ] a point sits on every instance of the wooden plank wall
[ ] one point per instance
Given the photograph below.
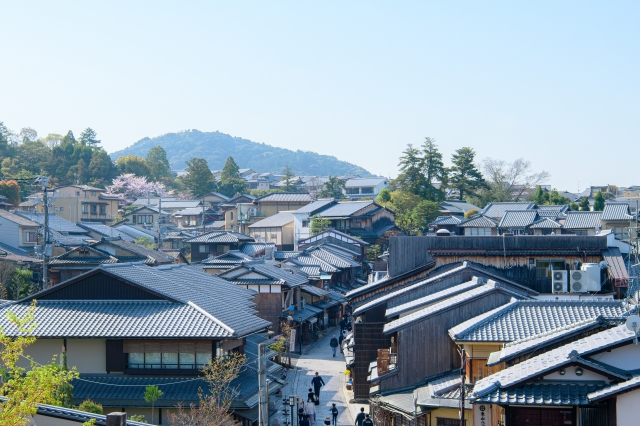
(368, 339)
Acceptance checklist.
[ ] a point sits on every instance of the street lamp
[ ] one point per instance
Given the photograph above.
(292, 402)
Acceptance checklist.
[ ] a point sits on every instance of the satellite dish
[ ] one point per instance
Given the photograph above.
(633, 323)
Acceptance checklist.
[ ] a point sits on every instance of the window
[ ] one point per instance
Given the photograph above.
(203, 248)
(61, 209)
(85, 210)
(31, 236)
(103, 210)
(366, 191)
(477, 231)
(94, 209)
(441, 421)
(353, 191)
(621, 232)
(77, 193)
(582, 232)
(93, 193)
(305, 223)
(231, 215)
(168, 360)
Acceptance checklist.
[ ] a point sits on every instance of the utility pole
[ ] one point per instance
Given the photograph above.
(46, 250)
(263, 392)
(204, 230)
(160, 223)
(463, 377)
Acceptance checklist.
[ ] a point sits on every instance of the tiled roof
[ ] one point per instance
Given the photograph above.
(552, 211)
(570, 393)
(347, 208)
(457, 206)
(13, 254)
(361, 182)
(99, 257)
(308, 260)
(229, 256)
(434, 297)
(191, 211)
(479, 221)
(282, 255)
(104, 230)
(56, 223)
(316, 205)
(64, 239)
(545, 223)
(526, 318)
(176, 204)
(266, 269)
(285, 197)
(615, 389)
(301, 315)
(518, 219)
(135, 231)
(616, 211)
(157, 255)
(277, 220)
(441, 392)
(545, 338)
(447, 220)
(18, 219)
(117, 319)
(448, 303)
(553, 360)
(316, 291)
(219, 237)
(333, 259)
(251, 248)
(497, 210)
(582, 220)
(76, 416)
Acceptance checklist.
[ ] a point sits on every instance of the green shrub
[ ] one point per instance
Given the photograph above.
(91, 407)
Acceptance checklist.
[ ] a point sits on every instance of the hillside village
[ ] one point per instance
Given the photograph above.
(449, 304)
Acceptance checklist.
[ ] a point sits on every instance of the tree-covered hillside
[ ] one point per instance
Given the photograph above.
(216, 147)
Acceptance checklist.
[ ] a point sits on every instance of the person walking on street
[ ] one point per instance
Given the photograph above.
(310, 410)
(334, 345)
(317, 384)
(305, 420)
(367, 421)
(360, 417)
(340, 340)
(300, 407)
(311, 394)
(334, 414)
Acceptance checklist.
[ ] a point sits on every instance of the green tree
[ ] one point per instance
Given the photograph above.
(137, 418)
(470, 213)
(411, 178)
(144, 242)
(88, 137)
(584, 204)
(598, 202)
(64, 393)
(133, 164)
(464, 175)
(151, 395)
(199, 179)
(11, 190)
(333, 188)
(24, 390)
(319, 224)
(22, 284)
(384, 196)
(434, 170)
(101, 169)
(88, 406)
(288, 179)
(158, 163)
(230, 181)
(574, 206)
(373, 251)
(424, 213)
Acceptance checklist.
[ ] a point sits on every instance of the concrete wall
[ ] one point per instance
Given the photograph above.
(88, 355)
(627, 408)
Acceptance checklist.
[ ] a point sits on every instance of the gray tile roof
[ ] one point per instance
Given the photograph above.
(552, 211)
(343, 209)
(285, 197)
(76, 416)
(342, 262)
(301, 315)
(135, 231)
(316, 205)
(615, 389)
(65, 239)
(520, 347)
(282, 255)
(583, 220)
(308, 260)
(518, 219)
(104, 230)
(219, 237)
(56, 223)
(252, 248)
(157, 255)
(552, 360)
(447, 220)
(361, 182)
(526, 318)
(441, 392)
(191, 211)
(277, 220)
(616, 211)
(558, 394)
(497, 210)
(169, 204)
(457, 206)
(449, 303)
(316, 291)
(545, 223)
(434, 297)
(479, 221)
(18, 219)
(268, 270)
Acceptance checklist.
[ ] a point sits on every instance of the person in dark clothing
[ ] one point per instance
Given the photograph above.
(334, 414)
(305, 421)
(340, 340)
(360, 417)
(334, 345)
(311, 393)
(367, 421)
(343, 325)
(317, 383)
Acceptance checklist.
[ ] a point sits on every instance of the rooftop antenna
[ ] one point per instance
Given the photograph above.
(633, 324)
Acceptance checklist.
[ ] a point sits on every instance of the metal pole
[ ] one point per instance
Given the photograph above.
(463, 376)
(263, 396)
(160, 223)
(46, 250)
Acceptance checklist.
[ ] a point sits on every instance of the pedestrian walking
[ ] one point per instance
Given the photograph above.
(334, 414)
(360, 417)
(343, 324)
(310, 410)
(305, 421)
(334, 345)
(311, 394)
(367, 421)
(340, 340)
(300, 406)
(317, 383)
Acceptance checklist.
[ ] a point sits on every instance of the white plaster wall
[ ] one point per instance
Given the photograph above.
(626, 357)
(42, 351)
(627, 408)
(570, 375)
(87, 355)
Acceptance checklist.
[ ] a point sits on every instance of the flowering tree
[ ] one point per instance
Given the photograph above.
(129, 187)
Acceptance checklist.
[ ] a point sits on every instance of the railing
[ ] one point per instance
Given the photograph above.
(147, 366)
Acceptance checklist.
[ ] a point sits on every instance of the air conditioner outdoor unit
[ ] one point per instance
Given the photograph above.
(559, 282)
(578, 282)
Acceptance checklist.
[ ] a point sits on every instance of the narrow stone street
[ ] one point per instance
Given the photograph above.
(319, 358)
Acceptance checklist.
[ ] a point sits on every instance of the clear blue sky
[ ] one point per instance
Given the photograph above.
(554, 82)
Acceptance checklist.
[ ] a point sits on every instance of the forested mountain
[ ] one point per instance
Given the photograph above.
(216, 147)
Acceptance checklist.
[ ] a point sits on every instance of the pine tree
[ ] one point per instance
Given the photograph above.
(411, 178)
(158, 163)
(598, 202)
(230, 181)
(199, 179)
(584, 204)
(88, 137)
(464, 175)
(287, 179)
(333, 188)
(434, 169)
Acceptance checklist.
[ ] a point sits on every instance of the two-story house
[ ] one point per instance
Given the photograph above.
(358, 188)
(83, 203)
(18, 231)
